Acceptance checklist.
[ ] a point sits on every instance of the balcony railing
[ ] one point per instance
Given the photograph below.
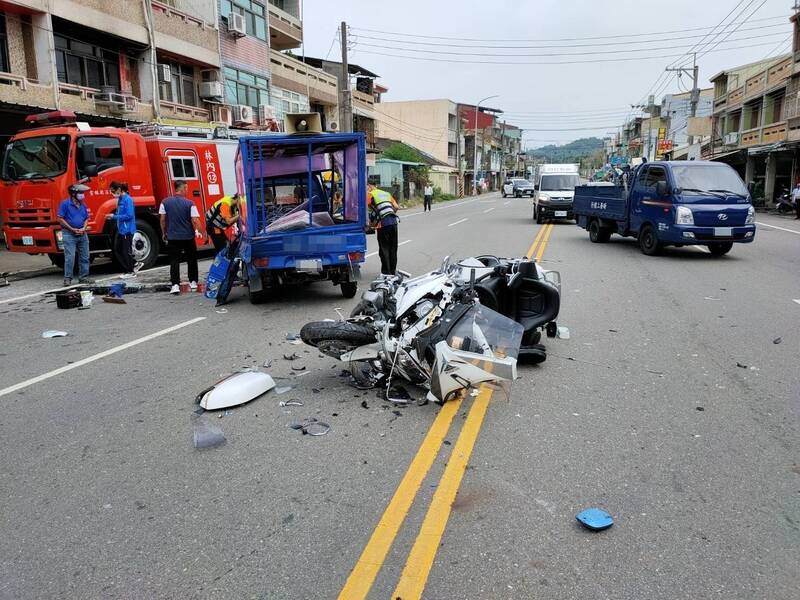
(751, 137)
(184, 111)
(775, 132)
(174, 25)
(16, 89)
(293, 74)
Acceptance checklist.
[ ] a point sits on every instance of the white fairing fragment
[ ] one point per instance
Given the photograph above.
(235, 389)
(455, 370)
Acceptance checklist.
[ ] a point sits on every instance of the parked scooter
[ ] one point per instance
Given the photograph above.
(785, 205)
(448, 330)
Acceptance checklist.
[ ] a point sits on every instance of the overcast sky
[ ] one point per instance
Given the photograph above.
(552, 102)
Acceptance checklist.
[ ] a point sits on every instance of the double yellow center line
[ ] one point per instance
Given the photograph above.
(423, 553)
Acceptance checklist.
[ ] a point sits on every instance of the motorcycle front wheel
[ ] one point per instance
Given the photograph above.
(334, 338)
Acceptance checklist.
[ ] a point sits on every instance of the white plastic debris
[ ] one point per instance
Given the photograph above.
(235, 389)
(563, 333)
(54, 333)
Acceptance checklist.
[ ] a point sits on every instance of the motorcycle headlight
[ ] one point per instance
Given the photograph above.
(751, 216)
(684, 216)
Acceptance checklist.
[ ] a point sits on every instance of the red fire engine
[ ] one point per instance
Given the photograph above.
(40, 163)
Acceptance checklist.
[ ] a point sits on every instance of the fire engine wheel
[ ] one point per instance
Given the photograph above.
(57, 260)
(146, 245)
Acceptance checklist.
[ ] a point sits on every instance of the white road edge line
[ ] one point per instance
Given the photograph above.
(489, 210)
(776, 227)
(398, 245)
(98, 356)
(459, 221)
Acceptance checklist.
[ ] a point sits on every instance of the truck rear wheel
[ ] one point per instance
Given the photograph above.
(146, 245)
(598, 234)
(648, 241)
(349, 288)
(720, 248)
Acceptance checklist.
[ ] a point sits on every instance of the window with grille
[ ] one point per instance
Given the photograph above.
(245, 88)
(253, 13)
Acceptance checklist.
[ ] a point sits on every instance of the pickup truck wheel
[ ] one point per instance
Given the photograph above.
(648, 241)
(598, 234)
(146, 245)
(349, 288)
(720, 248)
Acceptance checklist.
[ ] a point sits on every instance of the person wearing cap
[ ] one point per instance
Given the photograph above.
(74, 217)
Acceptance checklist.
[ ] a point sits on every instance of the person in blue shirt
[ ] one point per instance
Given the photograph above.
(126, 227)
(180, 225)
(74, 217)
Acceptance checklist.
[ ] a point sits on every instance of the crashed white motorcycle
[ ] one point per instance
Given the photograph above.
(448, 330)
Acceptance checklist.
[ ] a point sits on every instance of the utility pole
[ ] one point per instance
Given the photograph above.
(695, 97)
(345, 97)
(502, 151)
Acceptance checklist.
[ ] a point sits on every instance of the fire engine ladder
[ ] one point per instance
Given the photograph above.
(188, 131)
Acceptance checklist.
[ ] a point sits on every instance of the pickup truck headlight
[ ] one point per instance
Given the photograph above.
(751, 216)
(544, 198)
(684, 216)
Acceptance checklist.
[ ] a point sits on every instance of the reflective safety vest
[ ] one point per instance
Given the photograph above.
(214, 217)
(381, 205)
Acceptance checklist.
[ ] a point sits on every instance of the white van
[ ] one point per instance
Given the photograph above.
(555, 188)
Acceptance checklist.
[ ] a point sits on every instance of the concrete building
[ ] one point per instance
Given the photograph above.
(481, 127)
(430, 125)
(750, 123)
(109, 62)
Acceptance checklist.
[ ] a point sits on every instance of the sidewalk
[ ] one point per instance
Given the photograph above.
(15, 262)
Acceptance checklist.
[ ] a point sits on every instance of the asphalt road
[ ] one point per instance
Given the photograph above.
(643, 412)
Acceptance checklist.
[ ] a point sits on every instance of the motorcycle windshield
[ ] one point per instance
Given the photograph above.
(486, 332)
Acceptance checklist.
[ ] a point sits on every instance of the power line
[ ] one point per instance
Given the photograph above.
(555, 54)
(737, 27)
(574, 62)
(602, 37)
(502, 47)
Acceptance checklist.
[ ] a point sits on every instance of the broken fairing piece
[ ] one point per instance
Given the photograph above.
(311, 427)
(595, 519)
(53, 333)
(456, 370)
(563, 333)
(290, 403)
(235, 389)
(283, 389)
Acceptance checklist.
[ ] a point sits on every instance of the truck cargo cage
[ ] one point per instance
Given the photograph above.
(296, 183)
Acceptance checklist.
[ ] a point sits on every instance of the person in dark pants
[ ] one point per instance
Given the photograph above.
(428, 197)
(126, 227)
(180, 224)
(74, 218)
(383, 217)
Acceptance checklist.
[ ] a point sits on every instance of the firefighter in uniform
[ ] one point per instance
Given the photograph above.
(383, 217)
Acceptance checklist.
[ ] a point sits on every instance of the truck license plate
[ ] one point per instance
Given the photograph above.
(27, 240)
(723, 231)
(561, 213)
(314, 265)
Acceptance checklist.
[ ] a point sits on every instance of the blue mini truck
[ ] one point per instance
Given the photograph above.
(670, 203)
(305, 211)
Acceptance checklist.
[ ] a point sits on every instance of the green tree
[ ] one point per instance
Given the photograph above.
(404, 152)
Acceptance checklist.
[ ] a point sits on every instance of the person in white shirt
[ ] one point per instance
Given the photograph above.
(428, 197)
(796, 199)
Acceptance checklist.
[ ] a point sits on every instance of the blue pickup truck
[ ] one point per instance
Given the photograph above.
(670, 203)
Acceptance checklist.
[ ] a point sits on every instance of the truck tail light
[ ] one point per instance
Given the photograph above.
(261, 263)
(356, 256)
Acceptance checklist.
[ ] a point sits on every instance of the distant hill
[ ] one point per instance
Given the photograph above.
(573, 152)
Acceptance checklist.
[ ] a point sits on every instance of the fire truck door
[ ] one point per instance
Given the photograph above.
(183, 166)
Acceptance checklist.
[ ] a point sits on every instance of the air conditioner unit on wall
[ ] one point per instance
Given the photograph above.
(266, 113)
(333, 126)
(211, 89)
(164, 73)
(223, 114)
(242, 114)
(236, 25)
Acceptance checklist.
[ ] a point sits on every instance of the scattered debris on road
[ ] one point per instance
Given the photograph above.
(777, 340)
(114, 300)
(292, 356)
(311, 426)
(54, 333)
(68, 299)
(292, 402)
(741, 366)
(699, 408)
(205, 435)
(562, 333)
(595, 519)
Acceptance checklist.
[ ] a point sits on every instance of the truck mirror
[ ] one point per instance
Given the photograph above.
(88, 159)
(662, 189)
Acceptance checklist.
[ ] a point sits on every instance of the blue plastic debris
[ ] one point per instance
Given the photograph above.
(116, 290)
(595, 519)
